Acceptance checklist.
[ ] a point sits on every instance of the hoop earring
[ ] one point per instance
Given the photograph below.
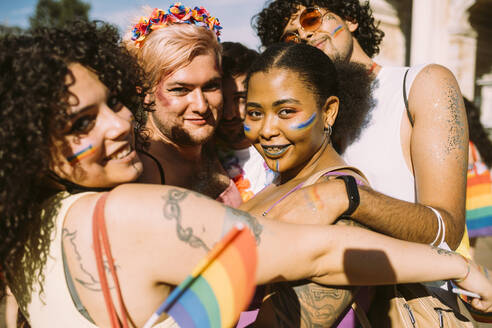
(328, 130)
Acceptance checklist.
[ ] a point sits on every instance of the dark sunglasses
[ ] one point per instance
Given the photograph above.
(310, 21)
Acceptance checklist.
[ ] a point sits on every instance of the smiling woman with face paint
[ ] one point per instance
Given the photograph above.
(294, 98)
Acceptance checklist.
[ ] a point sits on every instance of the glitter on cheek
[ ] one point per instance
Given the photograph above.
(305, 125)
(78, 156)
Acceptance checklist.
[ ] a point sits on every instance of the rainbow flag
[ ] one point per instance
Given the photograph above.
(219, 288)
(479, 203)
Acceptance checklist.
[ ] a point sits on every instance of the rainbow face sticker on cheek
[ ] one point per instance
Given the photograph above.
(81, 154)
(337, 31)
(305, 125)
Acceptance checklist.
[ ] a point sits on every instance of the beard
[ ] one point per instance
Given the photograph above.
(231, 138)
(179, 135)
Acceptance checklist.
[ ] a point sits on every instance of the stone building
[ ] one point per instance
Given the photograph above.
(453, 33)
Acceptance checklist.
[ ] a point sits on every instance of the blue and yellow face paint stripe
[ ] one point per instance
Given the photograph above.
(247, 129)
(277, 167)
(78, 156)
(305, 125)
(337, 31)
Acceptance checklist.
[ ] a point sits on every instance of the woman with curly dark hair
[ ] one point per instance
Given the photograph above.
(413, 149)
(299, 113)
(71, 101)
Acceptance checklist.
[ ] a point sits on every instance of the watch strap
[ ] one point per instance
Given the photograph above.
(352, 193)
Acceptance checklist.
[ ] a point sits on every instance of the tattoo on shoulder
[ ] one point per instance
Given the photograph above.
(172, 211)
(233, 216)
(441, 251)
(84, 278)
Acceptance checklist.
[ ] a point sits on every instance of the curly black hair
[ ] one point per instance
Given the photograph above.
(348, 81)
(34, 100)
(271, 21)
(478, 134)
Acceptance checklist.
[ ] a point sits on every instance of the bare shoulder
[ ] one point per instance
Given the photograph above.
(435, 71)
(79, 214)
(432, 84)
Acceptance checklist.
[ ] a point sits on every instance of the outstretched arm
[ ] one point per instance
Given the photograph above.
(159, 233)
(186, 222)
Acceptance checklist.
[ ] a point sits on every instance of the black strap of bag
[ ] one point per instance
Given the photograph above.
(405, 98)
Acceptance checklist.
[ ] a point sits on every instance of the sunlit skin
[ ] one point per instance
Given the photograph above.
(284, 121)
(230, 130)
(188, 103)
(100, 131)
(333, 37)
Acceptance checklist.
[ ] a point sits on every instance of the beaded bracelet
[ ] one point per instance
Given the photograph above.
(468, 269)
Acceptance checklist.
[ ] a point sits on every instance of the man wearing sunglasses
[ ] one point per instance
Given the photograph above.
(414, 154)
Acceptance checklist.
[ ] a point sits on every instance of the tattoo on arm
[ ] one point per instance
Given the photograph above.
(306, 304)
(441, 251)
(234, 216)
(172, 211)
(350, 223)
(87, 280)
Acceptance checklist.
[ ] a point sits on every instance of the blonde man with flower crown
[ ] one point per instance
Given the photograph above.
(180, 51)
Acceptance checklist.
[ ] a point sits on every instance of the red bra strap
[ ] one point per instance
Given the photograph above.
(99, 234)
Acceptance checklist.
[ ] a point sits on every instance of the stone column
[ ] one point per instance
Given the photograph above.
(485, 84)
(428, 31)
(462, 46)
(441, 34)
(392, 49)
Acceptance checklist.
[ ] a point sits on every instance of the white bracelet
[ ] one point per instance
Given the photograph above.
(441, 225)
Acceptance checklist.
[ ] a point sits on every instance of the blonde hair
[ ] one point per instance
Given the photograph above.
(168, 49)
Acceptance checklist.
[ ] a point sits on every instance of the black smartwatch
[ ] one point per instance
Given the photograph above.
(352, 193)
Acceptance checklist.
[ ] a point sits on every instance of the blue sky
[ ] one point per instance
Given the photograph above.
(234, 15)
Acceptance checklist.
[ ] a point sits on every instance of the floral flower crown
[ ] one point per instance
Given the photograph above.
(176, 14)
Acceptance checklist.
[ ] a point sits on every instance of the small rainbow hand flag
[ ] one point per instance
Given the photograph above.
(219, 288)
